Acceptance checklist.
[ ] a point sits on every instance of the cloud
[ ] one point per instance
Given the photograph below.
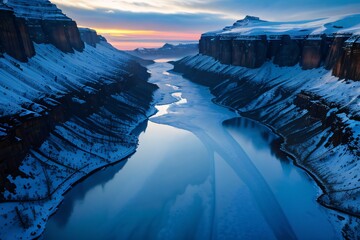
(231, 9)
(116, 19)
(167, 19)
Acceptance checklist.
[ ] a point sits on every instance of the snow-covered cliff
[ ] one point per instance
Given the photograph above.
(317, 113)
(37, 9)
(331, 42)
(43, 22)
(63, 113)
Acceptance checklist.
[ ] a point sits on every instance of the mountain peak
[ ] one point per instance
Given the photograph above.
(251, 18)
(167, 45)
(247, 21)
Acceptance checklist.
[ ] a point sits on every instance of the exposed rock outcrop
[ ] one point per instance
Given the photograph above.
(47, 24)
(62, 34)
(89, 36)
(289, 51)
(348, 64)
(14, 36)
(225, 50)
(23, 22)
(335, 49)
(312, 51)
(250, 52)
(25, 37)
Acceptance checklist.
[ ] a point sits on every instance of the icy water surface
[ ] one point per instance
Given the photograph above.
(200, 172)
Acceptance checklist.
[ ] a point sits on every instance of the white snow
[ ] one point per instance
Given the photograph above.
(252, 26)
(37, 9)
(51, 73)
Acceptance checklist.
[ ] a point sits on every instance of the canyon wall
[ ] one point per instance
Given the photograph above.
(46, 97)
(20, 133)
(14, 36)
(339, 52)
(64, 35)
(25, 22)
(89, 36)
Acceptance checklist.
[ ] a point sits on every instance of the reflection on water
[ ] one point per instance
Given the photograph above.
(291, 186)
(143, 199)
(99, 178)
(163, 60)
(260, 136)
(202, 180)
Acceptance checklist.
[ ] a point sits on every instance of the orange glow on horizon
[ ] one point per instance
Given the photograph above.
(147, 34)
(124, 32)
(134, 45)
(129, 39)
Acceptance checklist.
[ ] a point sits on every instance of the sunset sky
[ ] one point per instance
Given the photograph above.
(151, 23)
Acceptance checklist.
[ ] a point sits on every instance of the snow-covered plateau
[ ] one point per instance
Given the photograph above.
(332, 43)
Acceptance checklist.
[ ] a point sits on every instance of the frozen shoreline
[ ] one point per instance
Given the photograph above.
(267, 95)
(221, 142)
(13, 228)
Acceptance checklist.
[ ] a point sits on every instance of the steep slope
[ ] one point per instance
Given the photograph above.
(316, 112)
(63, 113)
(62, 117)
(14, 35)
(47, 24)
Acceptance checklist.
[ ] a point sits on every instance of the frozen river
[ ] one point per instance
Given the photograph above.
(200, 172)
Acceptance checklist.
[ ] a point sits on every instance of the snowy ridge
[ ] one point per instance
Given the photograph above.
(52, 73)
(37, 9)
(254, 26)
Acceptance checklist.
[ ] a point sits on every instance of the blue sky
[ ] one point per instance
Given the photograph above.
(128, 24)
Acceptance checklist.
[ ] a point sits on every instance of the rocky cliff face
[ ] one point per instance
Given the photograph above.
(89, 36)
(14, 36)
(62, 34)
(249, 43)
(23, 22)
(348, 64)
(42, 22)
(249, 51)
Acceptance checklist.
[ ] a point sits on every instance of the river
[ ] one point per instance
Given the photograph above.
(200, 172)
